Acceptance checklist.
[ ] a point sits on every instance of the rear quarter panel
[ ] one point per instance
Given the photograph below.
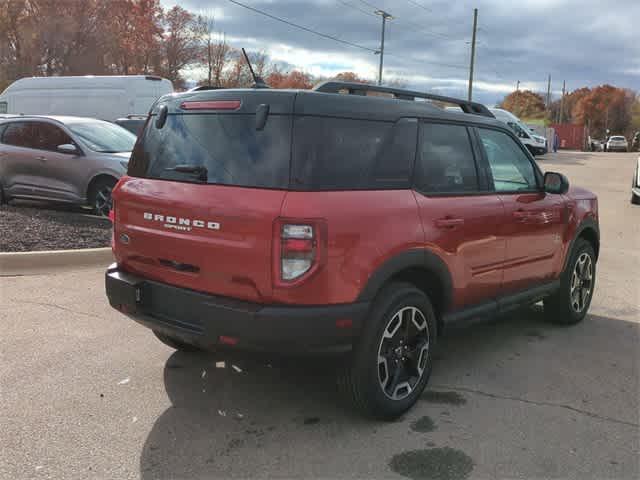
(364, 229)
(581, 208)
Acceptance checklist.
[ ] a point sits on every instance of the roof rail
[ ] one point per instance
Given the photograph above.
(353, 88)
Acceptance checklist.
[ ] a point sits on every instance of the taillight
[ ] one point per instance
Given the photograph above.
(298, 248)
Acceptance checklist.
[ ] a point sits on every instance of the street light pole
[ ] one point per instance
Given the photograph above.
(384, 16)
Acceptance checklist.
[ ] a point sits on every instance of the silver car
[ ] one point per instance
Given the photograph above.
(65, 159)
(617, 143)
(635, 184)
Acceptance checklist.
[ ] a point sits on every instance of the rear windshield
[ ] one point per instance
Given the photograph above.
(619, 139)
(229, 146)
(328, 153)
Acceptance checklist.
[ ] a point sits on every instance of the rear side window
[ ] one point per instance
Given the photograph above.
(18, 134)
(229, 146)
(347, 154)
(445, 163)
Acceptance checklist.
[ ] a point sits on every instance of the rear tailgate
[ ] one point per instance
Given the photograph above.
(210, 238)
(213, 234)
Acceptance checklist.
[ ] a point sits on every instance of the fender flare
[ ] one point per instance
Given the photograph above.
(418, 258)
(587, 224)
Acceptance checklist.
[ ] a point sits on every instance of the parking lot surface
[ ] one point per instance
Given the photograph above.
(86, 393)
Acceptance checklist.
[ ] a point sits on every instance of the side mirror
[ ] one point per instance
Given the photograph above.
(555, 183)
(67, 148)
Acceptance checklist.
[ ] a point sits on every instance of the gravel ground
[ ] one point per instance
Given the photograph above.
(31, 227)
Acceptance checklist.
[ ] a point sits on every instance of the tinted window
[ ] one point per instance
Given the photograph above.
(227, 145)
(345, 154)
(511, 168)
(446, 163)
(19, 134)
(49, 137)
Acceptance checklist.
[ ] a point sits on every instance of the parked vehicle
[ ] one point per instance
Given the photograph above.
(103, 97)
(65, 159)
(617, 143)
(133, 123)
(536, 144)
(635, 143)
(315, 221)
(635, 184)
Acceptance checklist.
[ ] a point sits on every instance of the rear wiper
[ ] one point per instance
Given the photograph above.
(199, 170)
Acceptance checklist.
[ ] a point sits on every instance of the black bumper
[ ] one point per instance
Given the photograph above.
(202, 319)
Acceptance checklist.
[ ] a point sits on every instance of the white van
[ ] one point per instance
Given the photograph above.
(103, 97)
(536, 144)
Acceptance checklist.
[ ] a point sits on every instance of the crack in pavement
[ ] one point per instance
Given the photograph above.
(539, 403)
(59, 307)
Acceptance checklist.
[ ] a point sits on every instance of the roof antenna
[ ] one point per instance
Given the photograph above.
(258, 82)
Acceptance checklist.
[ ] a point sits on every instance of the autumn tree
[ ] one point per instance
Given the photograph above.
(292, 79)
(215, 53)
(180, 42)
(524, 104)
(605, 108)
(350, 77)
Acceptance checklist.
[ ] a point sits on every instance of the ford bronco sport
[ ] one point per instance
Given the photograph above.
(334, 220)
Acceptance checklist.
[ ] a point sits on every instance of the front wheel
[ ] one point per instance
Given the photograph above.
(391, 363)
(569, 305)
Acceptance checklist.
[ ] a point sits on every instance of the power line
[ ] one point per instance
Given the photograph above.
(306, 29)
(345, 42)
(361, 10)
(420, 5)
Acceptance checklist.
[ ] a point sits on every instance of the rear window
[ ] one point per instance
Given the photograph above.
(227, 145)
(346, 154)
(618, 139)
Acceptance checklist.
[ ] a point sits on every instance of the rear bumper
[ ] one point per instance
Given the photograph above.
(202, 319)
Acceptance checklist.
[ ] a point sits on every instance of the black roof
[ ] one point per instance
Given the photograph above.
(340, 105)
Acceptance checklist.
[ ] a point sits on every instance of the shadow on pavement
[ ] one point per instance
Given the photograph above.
(276, 411)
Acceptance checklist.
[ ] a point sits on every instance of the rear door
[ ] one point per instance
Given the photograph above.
(21, 160)
(534, 223)
(460, 216)
(208, 233)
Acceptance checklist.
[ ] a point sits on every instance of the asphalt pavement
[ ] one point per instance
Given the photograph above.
(86, 393)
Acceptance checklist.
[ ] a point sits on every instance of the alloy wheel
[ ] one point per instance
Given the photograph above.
(581, 282)
(103, 201)
(403, 353)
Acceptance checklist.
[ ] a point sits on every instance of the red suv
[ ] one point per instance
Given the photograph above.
(335, 220)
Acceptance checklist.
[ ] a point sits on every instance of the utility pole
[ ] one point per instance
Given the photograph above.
(549, 93)
(473, 52)
(384, 16)
(561, 114)
(518, 86)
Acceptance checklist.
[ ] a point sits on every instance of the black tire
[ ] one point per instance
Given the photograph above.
(361, 380)
(175, 343)
(635, 199)
(565, 307)
(100, 196)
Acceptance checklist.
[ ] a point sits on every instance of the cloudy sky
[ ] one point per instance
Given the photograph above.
(585, 42)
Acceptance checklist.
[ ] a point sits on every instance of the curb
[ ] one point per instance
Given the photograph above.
(48, 261)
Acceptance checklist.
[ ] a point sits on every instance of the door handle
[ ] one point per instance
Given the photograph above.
(41, 159)
(449, 222)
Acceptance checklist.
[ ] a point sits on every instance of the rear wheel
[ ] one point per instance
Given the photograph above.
(100, 196)
(569, 305)
(175, 343)
(391, 364)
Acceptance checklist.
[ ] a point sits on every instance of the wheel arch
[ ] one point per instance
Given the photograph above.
(589, 231)
(423, 269)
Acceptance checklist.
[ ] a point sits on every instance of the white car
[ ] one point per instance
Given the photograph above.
(635, 185)
(536, 144)
(617, 143)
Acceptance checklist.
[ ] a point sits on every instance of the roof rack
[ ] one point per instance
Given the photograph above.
(353, 88)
